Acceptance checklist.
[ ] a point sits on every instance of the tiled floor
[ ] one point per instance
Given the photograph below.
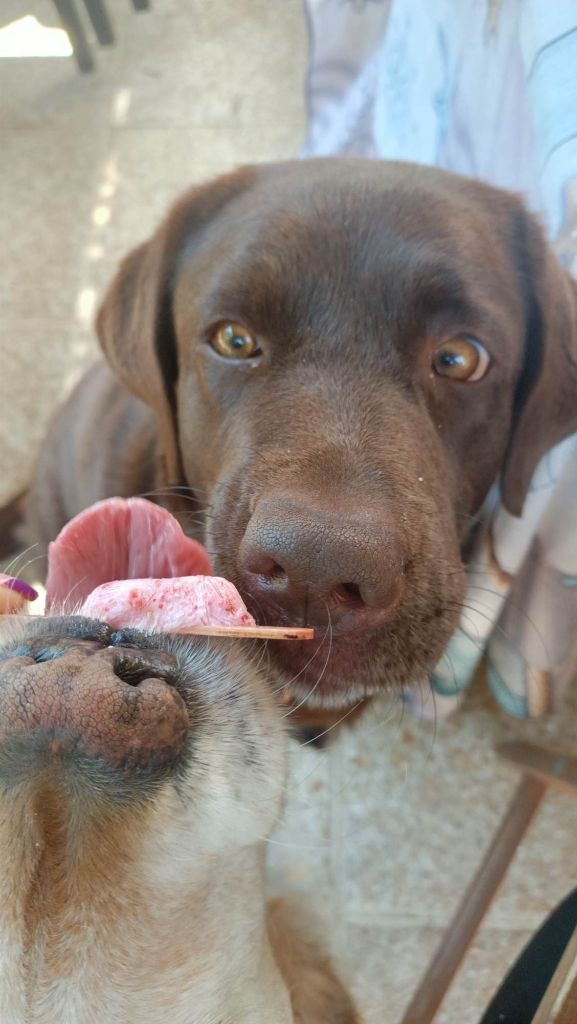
(386, 827)
(89, 164)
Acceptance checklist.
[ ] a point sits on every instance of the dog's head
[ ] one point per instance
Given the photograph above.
(127, 724)
(140, 776)
(343, 357)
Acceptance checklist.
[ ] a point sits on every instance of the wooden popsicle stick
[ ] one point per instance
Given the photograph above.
(251, 632)
(241, 632)
(472, 909)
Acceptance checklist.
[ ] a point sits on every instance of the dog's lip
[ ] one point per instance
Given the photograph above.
(323, 678)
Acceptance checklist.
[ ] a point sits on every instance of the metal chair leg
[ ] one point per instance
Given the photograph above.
(73, 26)
(100, 21)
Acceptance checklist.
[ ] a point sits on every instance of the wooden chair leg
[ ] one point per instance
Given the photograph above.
(541, 770)
(462, 930)
(100, 21)
(73, 26)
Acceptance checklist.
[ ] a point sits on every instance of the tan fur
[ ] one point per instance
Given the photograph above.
(150, 907)
(317, 994)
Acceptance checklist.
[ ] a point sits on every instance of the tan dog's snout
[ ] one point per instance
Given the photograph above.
(140, 775)
(74, 703)
(307, 560)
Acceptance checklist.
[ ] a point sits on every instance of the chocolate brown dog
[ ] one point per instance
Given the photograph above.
(336, 359)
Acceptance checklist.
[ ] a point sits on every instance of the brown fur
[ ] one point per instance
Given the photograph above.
(335, 479)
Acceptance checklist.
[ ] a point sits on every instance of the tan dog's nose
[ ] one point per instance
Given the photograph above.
(302, 560)
(70, 703)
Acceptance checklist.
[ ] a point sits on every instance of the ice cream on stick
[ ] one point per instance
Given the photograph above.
(128, 563)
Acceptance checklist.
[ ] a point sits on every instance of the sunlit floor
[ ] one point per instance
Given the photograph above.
(384, 829)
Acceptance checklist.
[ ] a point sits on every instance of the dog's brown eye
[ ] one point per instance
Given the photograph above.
(233, 341)
(461, 359)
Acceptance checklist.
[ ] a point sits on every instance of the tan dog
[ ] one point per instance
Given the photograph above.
(139, 780)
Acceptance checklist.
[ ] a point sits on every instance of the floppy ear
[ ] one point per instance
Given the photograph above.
(135, 324)
(546, 399)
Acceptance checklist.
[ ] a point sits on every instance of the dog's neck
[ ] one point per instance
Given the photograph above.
(122, 922)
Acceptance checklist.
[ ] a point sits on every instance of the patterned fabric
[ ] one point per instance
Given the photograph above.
(486, 88)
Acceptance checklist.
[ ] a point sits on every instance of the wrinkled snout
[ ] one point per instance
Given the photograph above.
(303, 560)
(69, 702)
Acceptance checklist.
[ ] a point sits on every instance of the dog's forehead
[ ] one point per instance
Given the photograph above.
(367, 204)
(353, 247)
(348, 218)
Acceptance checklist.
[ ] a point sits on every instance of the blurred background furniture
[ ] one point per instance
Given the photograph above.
(542, 984)
(541, 987)
(73, 24)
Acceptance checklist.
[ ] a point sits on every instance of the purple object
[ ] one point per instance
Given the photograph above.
(13, 583)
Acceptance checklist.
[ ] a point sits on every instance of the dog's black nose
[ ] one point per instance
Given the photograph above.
(302, 560)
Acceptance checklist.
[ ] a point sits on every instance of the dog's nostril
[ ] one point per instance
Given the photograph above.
(133, 672)
(275, 571)
(349, 593)
(263, 566)
(268, 572)
(128, 672)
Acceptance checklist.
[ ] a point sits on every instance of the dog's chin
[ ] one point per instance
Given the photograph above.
(332, 693)
(341, 678)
